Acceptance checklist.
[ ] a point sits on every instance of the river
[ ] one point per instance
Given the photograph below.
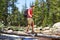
(14, 37)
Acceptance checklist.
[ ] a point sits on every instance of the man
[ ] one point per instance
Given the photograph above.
(29, 19)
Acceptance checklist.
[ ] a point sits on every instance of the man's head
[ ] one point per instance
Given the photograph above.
(32, 6)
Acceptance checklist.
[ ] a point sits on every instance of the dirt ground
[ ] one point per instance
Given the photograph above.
(42, 38)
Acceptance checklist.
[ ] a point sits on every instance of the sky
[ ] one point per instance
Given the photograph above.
(20, 3)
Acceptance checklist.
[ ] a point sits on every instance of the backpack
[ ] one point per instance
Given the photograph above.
(26, 13)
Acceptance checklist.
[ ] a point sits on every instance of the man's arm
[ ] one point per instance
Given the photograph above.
(29, 13)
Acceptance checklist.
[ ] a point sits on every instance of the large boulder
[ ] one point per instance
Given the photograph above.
(56, 28)
(56, 25)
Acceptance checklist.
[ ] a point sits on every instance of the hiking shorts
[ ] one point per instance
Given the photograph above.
(29, 20)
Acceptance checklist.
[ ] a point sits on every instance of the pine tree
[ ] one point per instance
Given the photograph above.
(36, 11)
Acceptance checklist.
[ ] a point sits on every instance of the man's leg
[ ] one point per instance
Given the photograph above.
(29, 23)
(32, 24)
(27, 29)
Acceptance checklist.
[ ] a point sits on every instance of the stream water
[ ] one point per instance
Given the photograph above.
(15, 37)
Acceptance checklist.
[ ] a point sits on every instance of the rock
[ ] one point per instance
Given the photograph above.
(20, 32)
(56, 25)
(38, 29)
(56, 31)
(47, 32)
(46, 28)
(56, 28)
(10, 31)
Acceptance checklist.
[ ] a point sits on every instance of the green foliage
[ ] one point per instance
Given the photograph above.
(45, 12)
